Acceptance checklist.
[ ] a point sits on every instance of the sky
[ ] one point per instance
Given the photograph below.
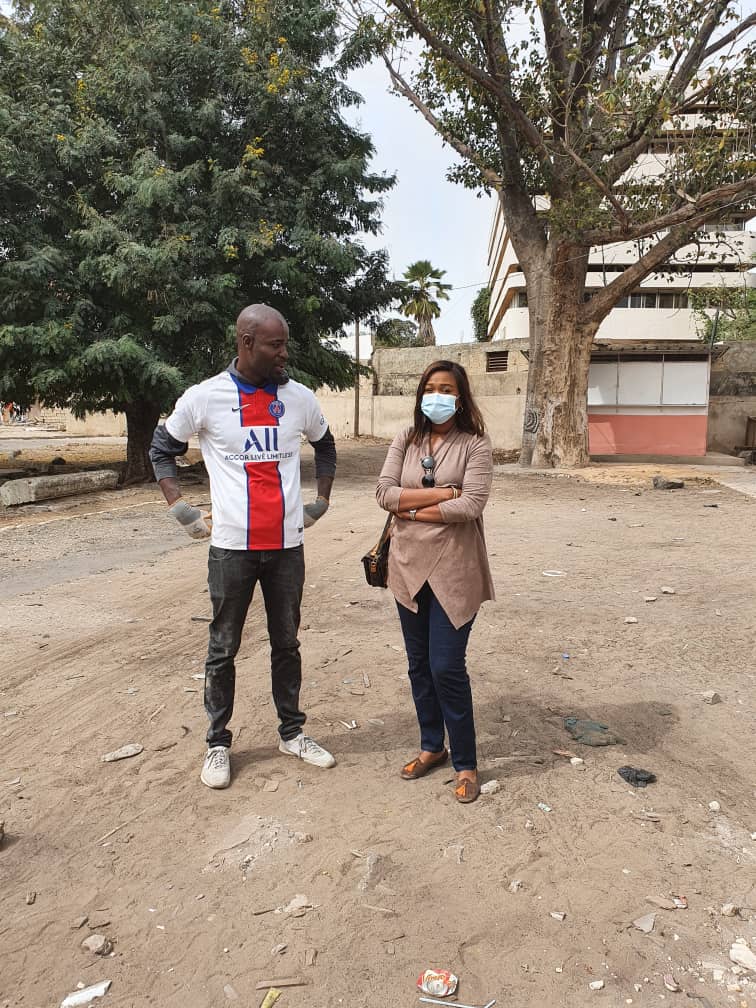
(424, 215)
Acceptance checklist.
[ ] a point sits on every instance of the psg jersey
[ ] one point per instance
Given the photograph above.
(250, 440)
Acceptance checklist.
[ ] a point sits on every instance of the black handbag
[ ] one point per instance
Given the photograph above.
(376, 561)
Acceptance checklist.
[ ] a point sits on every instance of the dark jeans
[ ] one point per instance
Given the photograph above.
(438, 675)
(232, 577)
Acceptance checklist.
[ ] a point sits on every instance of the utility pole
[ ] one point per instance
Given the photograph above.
(356, 378)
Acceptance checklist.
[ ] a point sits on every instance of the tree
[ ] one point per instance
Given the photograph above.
(479, 312)
(394, 332)
(726, 314)
(163, 164)
(423, 289)
(553, 105)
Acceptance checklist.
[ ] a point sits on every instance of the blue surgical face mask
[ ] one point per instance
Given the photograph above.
(438, 407)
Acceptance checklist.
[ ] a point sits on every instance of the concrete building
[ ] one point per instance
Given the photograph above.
(650, 372)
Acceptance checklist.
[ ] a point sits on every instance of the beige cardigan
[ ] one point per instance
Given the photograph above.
(451, 557)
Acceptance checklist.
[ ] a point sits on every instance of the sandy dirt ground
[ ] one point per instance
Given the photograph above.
(192, 887)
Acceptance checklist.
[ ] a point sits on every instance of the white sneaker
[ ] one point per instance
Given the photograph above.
(307, 749)
(216, 770)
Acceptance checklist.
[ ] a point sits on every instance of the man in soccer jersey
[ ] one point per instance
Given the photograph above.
(249, 420)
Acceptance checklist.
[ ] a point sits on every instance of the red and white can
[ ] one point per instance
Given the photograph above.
(438, 983)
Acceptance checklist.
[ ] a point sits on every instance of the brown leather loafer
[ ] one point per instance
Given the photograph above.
(419, 768)
(467, 790)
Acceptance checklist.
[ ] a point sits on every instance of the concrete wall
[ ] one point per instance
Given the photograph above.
(93, 424)
(733, 396)
(387, 400)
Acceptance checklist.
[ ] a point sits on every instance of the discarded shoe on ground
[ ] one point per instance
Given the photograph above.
(636, 776)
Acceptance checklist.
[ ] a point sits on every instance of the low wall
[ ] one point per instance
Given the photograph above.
(387, 400)
(92, 425)
(732, 396)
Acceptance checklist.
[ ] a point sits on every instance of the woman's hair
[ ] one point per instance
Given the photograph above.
(469, 417)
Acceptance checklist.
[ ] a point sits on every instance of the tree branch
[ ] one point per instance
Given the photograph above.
(526, 127)
(693, 213)
(615, 45)
(597, 24)
(731, 36)
(463, 149)
(674, 86)
(599, 306)
(601, 186)
(698, 48)
(556, 35)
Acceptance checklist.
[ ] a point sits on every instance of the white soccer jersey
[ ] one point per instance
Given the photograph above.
(250, 440)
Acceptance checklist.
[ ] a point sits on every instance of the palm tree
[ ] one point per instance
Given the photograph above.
(423, 290)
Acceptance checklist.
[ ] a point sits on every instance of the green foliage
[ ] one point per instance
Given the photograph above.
(423, 289)
(479, 312)
(395, 332)
(163, 164)
(731, 314)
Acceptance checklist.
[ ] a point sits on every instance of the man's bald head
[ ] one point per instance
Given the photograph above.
(255, 315)
(262, 336)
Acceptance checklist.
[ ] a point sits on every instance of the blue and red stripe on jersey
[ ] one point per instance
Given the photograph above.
(266, 507)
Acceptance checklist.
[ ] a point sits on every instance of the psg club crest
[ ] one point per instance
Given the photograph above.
(276, 409)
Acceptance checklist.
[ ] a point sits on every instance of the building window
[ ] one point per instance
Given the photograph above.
(673, 300)
(642, 299)
(653, 299)
(715, 227)
(522, 299)
(497, 360)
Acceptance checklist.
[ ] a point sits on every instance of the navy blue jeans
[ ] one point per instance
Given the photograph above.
(232, 578)
(439, 679)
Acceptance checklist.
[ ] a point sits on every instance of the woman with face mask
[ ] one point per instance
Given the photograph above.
(436, 480)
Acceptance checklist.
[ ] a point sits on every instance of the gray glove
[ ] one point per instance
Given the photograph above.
(315, 510)
(196, 523)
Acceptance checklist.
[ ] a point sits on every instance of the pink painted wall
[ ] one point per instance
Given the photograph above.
(647, 434)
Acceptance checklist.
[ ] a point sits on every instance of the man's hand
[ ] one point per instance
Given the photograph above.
(196, 523)
(315, 510)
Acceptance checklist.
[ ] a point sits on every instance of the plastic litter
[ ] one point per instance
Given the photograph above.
(270, 998)
(671, 984)
(86, 994)
(645, 923)
(439, 983)
(132, 749)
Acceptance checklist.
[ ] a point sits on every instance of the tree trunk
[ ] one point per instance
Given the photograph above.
(555, 427)
(141, 420)
(425, 334)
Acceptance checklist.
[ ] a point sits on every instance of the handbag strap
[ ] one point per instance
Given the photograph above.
(386, 530)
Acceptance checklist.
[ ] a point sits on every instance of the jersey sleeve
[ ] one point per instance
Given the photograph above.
(187, 416)
(315, 423)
